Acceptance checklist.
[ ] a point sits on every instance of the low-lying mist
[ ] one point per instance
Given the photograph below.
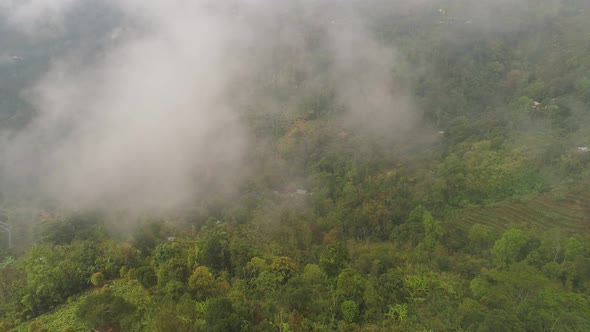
(147, 115)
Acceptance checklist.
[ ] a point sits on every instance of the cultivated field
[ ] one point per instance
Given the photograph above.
(567, 210)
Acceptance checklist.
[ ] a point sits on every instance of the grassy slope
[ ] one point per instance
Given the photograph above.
(567, 210)
(64, 317)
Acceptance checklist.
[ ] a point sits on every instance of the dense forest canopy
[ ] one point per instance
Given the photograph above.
(295, 165)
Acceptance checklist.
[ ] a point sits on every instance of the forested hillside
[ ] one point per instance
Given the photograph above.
(434, 176)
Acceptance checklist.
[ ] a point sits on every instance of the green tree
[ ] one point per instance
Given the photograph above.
(175, 269)
(529, 301)
(106, 312)
(350, 311)
(166, 320)
(146, 276)
(507, 249)
(202, 283)
(481, 238)
(88, 226)
(175, 315)
(216, 251)
(334, 258)
(350, 285)
(413, 229)
(284, 268)
(373, 300)
(55, 272)
(433, 231)
(221, 316)
(309, 294)
(573, 247)
(535, 90)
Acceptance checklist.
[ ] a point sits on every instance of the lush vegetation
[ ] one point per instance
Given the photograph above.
(475, 222)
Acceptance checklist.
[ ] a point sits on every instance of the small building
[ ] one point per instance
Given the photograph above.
(171, 239)
(583, 148)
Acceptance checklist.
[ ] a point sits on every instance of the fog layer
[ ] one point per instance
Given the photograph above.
(148, 117)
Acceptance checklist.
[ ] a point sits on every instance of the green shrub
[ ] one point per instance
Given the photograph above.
(146, 276)
(350, 311)
(98, 279)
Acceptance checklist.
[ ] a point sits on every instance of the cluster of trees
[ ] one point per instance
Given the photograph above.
(368, 242)
(227, 277)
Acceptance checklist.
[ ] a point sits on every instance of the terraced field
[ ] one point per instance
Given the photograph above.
(569, 211)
